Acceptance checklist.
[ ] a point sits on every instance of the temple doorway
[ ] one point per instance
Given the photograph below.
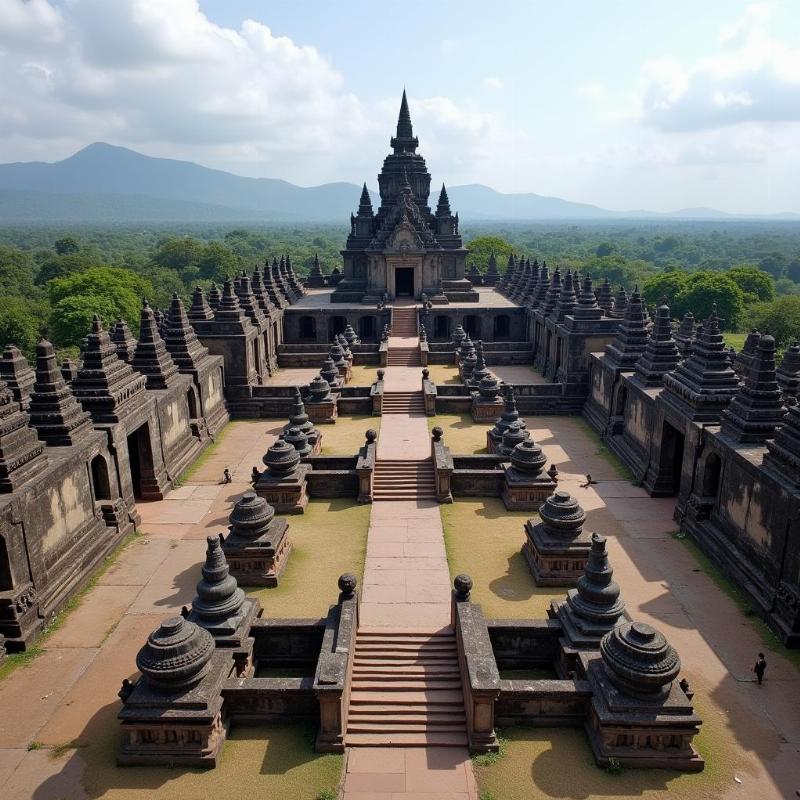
(140, 457)
(404, 282)
(671, 464)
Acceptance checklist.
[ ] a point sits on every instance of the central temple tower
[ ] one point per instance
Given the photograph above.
(405, 249)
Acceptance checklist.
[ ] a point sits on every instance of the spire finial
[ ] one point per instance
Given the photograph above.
(405, 141)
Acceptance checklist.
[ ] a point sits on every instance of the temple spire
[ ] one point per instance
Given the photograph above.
(365, 203)
(443, 206)
(405, 141)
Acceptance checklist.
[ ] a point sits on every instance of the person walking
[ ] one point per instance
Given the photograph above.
(760, 668)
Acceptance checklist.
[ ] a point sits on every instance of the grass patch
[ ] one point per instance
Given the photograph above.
(487, 759)
(722, 582)
(558, 762)
(485, 540)
(270, 761)
(363, 375)
(604, 452)
(16, 660)
(62, 748)
(735, 340)
(329, 539)
(443, 373)
(202, 458)
(348, 434)
(461, 434)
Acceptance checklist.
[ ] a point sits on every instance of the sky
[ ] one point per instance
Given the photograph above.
(627, 105)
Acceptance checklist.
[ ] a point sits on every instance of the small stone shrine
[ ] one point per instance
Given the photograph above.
(639, 716)
(556, 548)
(592, 609)
(283, 483)
(525, 484)
(220, 606)
(258, 545)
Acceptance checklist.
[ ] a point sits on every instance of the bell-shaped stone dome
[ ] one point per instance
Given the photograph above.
(176, 655)
(638, 659)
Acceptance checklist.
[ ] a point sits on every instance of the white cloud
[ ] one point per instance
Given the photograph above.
(159, 76)
(752, 77)
(493, 83)
(593, 90)
(159, 72)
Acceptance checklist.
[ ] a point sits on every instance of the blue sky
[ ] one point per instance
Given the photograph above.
(622, 104)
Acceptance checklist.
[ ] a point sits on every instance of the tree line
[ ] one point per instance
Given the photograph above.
(53, 280)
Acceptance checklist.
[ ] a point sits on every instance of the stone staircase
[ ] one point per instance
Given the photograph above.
(404, 321)
(403, 403)
(403, 357)
(406, 691)
(403, 480)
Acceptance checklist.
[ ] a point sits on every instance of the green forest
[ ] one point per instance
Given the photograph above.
(52, 280)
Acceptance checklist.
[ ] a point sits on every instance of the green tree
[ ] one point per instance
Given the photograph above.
(59, 266)
(106, 291)
(16, 269)
(481, 247)
(781, 318)
(756, 284)
(619, 271)
(66, 246)
(706, 289)
(179, 253)
(774, 263)
(19, 324)
(665, 284)
(793, 270)
(604, 249)
(216, 262)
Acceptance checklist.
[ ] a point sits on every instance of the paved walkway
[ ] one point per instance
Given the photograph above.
(406, 586)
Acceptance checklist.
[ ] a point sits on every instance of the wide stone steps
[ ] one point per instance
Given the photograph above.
(404, 480)
(403, 357)
(403, 403)
(406, 691)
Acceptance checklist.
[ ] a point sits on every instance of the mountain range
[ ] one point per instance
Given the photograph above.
(103, 183)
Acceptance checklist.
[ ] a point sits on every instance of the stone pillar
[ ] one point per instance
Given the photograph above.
(442, 465)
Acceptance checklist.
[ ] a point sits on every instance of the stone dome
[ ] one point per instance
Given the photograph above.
(251, 516)
(281, 458)
(527, 457)
(176, 655)
(638, 659)
(561, 515)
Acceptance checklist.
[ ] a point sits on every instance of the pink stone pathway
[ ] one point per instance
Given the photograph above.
(406, 586)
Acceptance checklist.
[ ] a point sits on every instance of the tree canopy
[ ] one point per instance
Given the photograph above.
(481, 247)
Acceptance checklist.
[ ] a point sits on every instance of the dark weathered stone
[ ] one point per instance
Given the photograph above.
(660, 354)
(684, 336)
(17, 374)
(105, 385)
(299, 419)
(297, 438)
(494, 437)
(567, 300)
(22, 455)
(595, 607)
(152, 358)
(200, 310)
(631, 340)
(315, 279)
(639, 716)
(744, 358)
(525, 487)
(556, 548)
(788, 374)
(703, 384)
(757, 409)
(54, 412)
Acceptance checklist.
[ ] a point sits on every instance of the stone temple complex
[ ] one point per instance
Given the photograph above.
(85, 447)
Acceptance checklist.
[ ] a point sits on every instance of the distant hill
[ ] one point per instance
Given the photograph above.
(105, 183)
